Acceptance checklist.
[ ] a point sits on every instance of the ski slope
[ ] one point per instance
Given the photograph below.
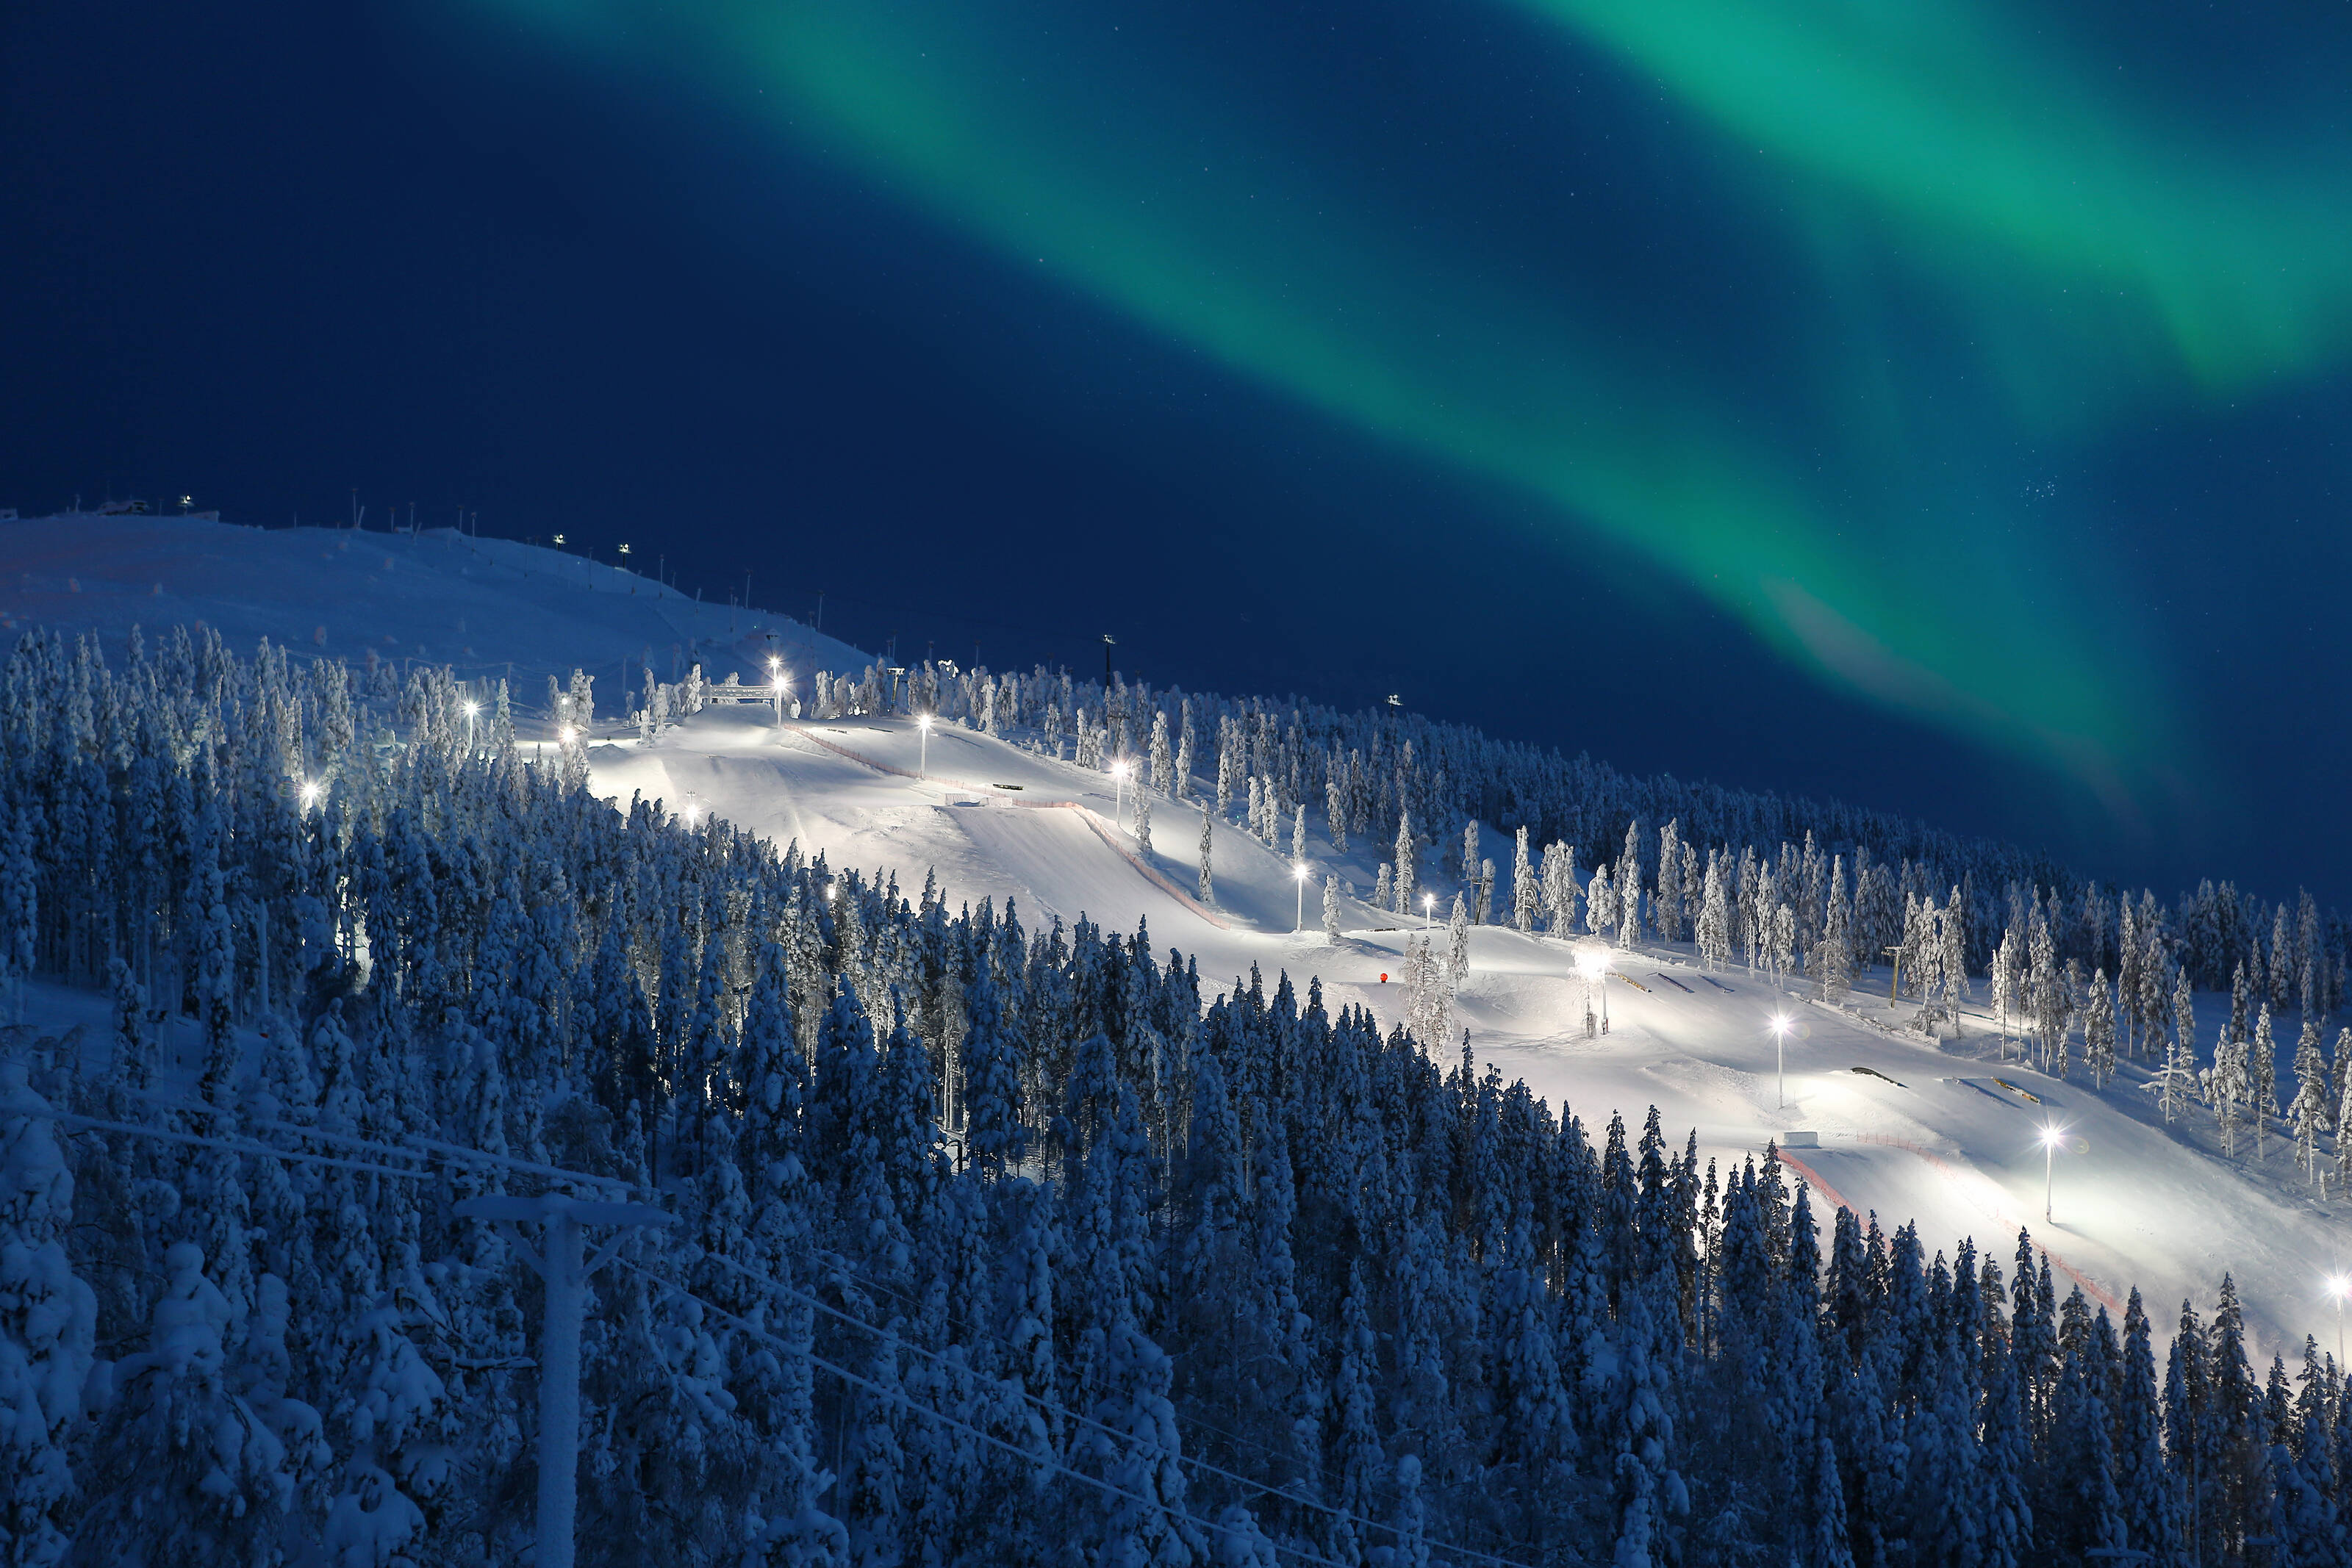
(1941, 1133)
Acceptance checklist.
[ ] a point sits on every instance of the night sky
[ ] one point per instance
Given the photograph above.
(1941, 406)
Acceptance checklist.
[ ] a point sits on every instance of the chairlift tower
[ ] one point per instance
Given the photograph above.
(559, 1261)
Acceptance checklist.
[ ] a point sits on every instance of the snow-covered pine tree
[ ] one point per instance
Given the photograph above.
(1601, 905)
(1835, 970)
(1714, 917)
(2261, 1077)
(1334, 810)
(1666, 906)
(1457, 939)
(1526, 896)
(2175, 1083)
(1468, 871)
(2342, 1121)
(1952, 958)
(1208, 887)
(2131, 965)
(1143, 822)
(1163, 760)
(1486, 893)
(1298, 836)
(2045, 992)
(2312, 1102)
(48, 1327)
(1560, 888)
(1185, 753)
(2099, 1030)
(1383, 888)
(2229, 1089)
(1331, 907)
(1403, 888)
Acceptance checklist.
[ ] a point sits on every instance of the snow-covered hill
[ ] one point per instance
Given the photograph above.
(485, 607)
(1879, 1120)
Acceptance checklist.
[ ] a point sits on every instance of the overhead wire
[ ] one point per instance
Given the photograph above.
(899, 1397)
(1203, 1466)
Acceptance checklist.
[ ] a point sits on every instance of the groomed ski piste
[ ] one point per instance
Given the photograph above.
(1948, 1134)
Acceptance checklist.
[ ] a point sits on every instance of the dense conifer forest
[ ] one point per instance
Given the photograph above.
(990, 1244)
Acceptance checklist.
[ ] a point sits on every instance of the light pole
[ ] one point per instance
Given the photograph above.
(2339, 1287)
(472, 708)
(1428, 905)
(924, 724)
(1592, 963)
(1118, 771)
(2052, 1136)
(1780, 1052)
(1298, 875)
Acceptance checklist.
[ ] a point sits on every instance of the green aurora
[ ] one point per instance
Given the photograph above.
(1068, 147)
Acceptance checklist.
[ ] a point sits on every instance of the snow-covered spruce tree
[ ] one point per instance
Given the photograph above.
(1383, 889)
(1298, 836)
(1667, 904)
(2312, 1110)
(1331, 907)
(1835, 970)
(1714, 918)
(48, 1322)
(1457, 943)
(1143, 822)
(1208, 890)
(1403, 888)
(1560, 889)
(2229, 1089)
(1527, 897)
(1601, 905)
(2099, 1031)
(1335, 812)
(1163, 760)
(2261, 1077)
(1485, 913)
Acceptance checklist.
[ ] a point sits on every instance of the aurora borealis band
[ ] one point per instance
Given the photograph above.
(1920, 169)
(1943, 406)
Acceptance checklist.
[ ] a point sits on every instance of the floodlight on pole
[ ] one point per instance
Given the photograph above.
(566, 734)
(1428, 907)
(923, 768)
(2339, 1286)
(780, 683)
(1299, 874)
(2052, 1135)
(1592, 963)
(1118, 771)
(1780, 1023)
(472, 709)
(310, 792)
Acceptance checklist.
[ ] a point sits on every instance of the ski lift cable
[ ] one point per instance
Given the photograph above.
(901, 1398)
(418, 1148)
(234, 1145)
(1265, 1488)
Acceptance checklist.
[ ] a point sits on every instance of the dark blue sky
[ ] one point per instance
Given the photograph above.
(1784, 462)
